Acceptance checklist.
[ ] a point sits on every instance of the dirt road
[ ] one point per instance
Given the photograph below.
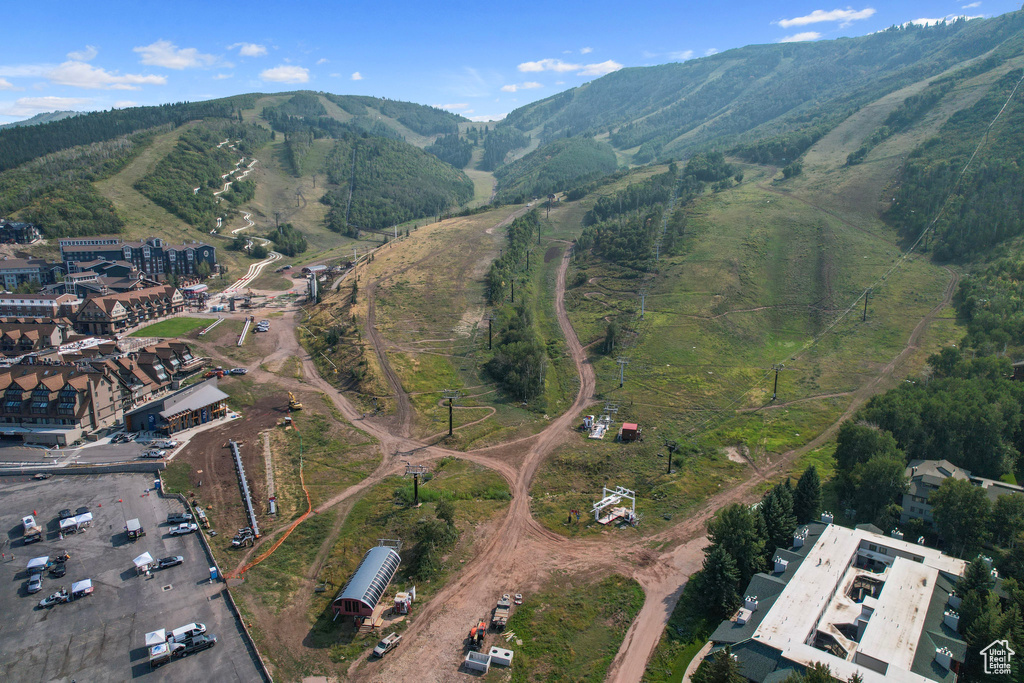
(517, 554)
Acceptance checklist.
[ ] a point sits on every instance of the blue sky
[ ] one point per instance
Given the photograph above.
(479, 59)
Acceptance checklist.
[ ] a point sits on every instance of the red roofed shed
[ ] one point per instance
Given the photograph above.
(630, 431)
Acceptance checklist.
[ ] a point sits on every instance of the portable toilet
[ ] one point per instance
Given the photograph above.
(213, 573)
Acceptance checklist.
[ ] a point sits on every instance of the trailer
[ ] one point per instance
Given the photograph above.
(502, 612)
(32, 532)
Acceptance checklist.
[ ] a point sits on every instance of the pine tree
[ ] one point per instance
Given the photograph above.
(719, 668)
(779, 521)
(717, 583)
(740, 532)
(807, 496)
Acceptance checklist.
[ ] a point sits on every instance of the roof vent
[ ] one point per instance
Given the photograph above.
(951, 619)
(799, 536)
(780, 565)
(750, 603)
(944, 657)
(826, 517)
(897, 534)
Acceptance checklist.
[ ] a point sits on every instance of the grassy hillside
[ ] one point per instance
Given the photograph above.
(759, 90)
(554, 168)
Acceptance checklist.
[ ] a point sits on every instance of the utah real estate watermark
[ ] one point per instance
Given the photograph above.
(997, 656)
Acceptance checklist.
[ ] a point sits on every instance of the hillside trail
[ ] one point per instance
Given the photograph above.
(518, 553)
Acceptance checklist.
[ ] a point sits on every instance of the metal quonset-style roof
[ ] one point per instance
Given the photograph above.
(372, 577)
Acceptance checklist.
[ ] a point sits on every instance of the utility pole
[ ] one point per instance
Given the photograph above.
(527, 260)
(867, 295)
(490, 321)
(451, 395)
(513, 290)
(277, 220)
(672, 447)
(623, 362)
(776, 367)
(415, 471)
(643, 295)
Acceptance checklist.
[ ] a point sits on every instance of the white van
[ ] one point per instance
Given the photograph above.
(180, 635)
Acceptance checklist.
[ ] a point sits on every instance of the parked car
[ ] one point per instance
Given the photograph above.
(58, 570)
(387, 644)
(35, 584)
(238, 371)
(65, 514)
(186, 632)
(165, 562)
(183, 529)
(199, 643)
(82, 510)
(42, 475)
(57, 598)
(179, 517)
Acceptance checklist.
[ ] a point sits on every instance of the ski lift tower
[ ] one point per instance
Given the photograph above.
(451, 395)
(415, 471)
(611, 499)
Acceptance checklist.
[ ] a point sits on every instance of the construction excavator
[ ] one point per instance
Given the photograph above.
(293, 403)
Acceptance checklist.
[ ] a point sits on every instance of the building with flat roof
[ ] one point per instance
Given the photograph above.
(858, 601)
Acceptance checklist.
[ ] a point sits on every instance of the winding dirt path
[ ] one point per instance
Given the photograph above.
(517, 553)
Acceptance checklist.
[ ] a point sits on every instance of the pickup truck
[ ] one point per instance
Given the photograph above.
(179, 517)
(387, 645)
(183, 529)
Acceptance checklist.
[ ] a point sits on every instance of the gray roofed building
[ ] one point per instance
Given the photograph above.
(926, 476)
(189, 407)
(364, 590)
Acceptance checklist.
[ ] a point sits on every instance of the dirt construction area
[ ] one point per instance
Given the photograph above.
(101, 637)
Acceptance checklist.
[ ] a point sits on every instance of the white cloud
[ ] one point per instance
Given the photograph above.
(971, 6)
(457, 105)
(249, 49)
(556, 65)
(681, 55)
(528, 85)
(356, 76)
(168, 55)
(222, 77)
(83, 55)
(487, 117)
(600, 69)
(322, 60)
(5, 84)
(586, 50)
(710, 51)
(82, 75)
(25, 70)
(29, 106)
(800, 37)
(819, 15)
(286, 74)
(124, 104)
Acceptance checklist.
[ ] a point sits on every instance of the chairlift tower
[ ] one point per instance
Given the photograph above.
(623, 362)
(777, 367)
(415, 471)
(451, 395)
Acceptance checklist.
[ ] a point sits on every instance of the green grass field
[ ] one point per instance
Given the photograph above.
(175, 327)
(571, 631)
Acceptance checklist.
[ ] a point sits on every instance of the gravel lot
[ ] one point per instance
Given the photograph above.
(102, 637)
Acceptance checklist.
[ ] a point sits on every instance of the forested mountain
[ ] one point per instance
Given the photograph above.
(45, 117)
(760, 90)
(554, 168)
(384, 182)
(416, 117)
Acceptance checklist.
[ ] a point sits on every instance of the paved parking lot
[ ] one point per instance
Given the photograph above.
(102, 637)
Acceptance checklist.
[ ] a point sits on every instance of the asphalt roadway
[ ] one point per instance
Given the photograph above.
(101, 637)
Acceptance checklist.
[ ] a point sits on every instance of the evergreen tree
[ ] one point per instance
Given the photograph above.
(740, 531)
(807, 496)
(717, 583)
(719, 668)
(779, 521)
